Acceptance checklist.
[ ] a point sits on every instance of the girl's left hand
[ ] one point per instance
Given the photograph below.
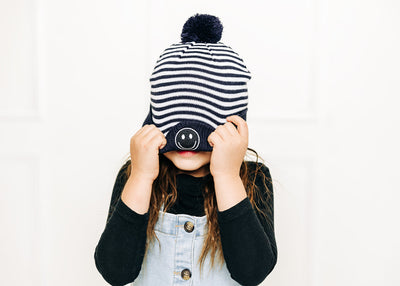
(229, 147)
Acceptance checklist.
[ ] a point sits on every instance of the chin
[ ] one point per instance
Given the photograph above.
(186, 165)
(189, 163)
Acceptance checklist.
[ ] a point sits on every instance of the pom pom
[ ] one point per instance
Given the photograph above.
(202, 28)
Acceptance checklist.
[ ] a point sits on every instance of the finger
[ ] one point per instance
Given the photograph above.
(147, 129)
(240, 123)
(154, 139)
(231, 128)
(214, 139)
(223, 132)
(210, 139)
(140, 131)
(163, 142)
(161, 138)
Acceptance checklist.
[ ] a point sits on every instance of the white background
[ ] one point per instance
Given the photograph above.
(323, 113)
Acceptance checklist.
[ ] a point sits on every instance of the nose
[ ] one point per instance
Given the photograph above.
(187, 139)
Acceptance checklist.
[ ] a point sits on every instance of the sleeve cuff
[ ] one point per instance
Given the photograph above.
(235, 211)
(129, 214)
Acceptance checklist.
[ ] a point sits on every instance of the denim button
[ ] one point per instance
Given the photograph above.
(189, 226)
(186, 274)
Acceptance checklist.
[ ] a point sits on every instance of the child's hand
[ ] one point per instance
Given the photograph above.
(229, 147)
(144, 151)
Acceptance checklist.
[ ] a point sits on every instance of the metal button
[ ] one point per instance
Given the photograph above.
(189, 226)
(186, 274)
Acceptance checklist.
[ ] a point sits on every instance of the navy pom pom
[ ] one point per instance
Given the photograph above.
(202, 28)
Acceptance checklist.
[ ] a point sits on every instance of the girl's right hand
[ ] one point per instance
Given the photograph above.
(144, 148)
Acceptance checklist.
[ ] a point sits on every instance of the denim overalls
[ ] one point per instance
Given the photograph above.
(181, 237)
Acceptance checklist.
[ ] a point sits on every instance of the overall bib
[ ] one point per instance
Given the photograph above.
(181, 237)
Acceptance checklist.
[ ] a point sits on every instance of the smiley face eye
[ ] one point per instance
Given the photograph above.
(190, 136)
(183, 136)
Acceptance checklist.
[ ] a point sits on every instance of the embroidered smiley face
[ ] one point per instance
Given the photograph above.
(187, 139)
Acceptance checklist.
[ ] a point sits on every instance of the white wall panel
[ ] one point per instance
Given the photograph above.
(18, 90)
(357, 149)
(293, 199)
(19, 220)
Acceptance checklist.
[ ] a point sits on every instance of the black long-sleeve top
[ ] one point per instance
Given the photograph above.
(248, 241)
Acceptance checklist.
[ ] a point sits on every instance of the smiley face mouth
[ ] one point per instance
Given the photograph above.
(190, 148)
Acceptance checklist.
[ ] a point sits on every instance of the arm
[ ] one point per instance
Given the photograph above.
(120, 250)
(248, 241)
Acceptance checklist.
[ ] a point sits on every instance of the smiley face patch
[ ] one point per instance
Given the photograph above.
(187, 139)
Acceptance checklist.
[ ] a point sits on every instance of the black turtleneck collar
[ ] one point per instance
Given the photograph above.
(187, 176)
(190, 198)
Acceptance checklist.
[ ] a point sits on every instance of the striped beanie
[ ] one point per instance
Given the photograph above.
(195, 85)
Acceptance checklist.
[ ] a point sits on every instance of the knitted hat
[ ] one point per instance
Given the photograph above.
(195, 85)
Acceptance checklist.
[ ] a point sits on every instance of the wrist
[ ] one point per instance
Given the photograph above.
(137, 177)
(226, 177)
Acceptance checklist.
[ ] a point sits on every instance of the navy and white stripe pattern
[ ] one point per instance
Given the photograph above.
(194, 87)
(204, 82)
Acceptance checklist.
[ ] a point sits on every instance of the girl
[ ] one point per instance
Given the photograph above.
(186, 198)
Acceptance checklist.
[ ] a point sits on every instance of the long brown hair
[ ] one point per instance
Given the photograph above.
(164, 191)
